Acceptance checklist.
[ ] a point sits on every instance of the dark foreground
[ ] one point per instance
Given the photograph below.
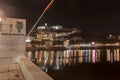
(97, 71)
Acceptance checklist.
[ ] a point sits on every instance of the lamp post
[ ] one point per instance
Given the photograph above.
(47, 7)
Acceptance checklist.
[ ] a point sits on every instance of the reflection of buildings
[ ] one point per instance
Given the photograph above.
(113, 55)
(58, 59)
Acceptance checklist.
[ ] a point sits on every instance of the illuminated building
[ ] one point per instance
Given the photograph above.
(55, 35)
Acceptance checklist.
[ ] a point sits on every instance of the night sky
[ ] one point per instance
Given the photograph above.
(99, 16)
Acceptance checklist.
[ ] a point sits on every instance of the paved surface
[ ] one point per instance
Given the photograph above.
(11, 72)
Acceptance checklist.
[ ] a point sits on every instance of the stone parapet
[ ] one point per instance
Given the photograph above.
(31, 71)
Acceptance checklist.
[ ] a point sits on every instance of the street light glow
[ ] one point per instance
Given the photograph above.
(0, 19)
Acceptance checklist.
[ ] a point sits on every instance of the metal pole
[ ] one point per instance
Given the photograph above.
(48, 6)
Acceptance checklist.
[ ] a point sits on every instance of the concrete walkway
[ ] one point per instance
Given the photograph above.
(11, 72)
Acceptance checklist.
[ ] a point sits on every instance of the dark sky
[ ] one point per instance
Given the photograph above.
(99, 16)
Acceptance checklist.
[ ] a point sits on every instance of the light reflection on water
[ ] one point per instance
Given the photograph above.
(57, 60)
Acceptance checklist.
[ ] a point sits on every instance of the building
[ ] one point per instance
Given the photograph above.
(55, 35)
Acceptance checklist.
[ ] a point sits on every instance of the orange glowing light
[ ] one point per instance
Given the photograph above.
(49, 5)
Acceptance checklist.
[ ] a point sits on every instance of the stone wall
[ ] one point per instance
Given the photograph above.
(12, 39)
(31, 71)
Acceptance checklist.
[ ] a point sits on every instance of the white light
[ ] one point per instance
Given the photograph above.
(110, 35)
(28, 39)
(45, 24)
(92, 42)
(0, 19)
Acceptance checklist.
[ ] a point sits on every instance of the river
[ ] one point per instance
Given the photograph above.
(87, 64)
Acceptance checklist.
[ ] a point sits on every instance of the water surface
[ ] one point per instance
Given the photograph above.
(89, 64)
